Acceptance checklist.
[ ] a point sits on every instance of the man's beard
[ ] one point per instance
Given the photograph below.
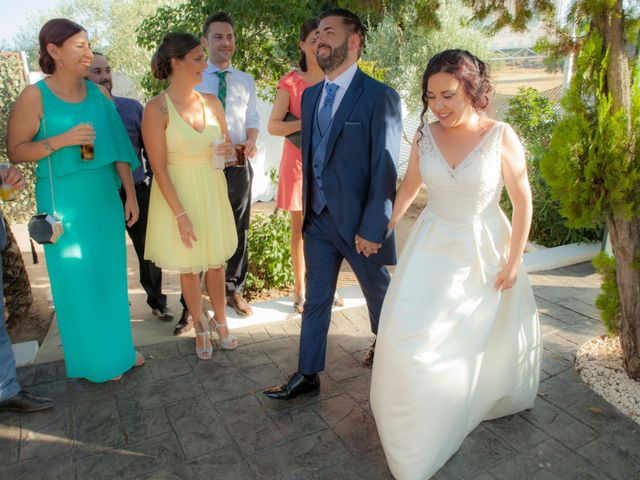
(336, 58)
(108, 85)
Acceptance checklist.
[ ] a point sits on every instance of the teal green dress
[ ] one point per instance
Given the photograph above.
(87, 266)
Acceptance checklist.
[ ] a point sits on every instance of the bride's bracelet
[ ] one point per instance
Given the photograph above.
(181, 214)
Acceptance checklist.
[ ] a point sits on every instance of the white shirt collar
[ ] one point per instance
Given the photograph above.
(344, 79)
(211, 68)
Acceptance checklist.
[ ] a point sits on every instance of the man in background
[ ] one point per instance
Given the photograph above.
(130, 111)
(237, 93)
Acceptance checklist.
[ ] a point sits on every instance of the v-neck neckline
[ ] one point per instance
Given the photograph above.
(471, 152)
(191, 127)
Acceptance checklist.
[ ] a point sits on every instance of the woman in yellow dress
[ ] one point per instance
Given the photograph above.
(191, 228)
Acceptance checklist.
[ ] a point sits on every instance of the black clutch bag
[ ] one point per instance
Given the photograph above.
(295, 137)
(45, 229)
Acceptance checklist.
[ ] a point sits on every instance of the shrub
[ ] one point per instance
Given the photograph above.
(533, 117)
(608, 301)
(269, 255)
(11, 84)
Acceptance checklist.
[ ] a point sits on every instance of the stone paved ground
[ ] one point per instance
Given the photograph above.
(178, 417)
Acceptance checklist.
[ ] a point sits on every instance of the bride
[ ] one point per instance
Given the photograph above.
(459, 339)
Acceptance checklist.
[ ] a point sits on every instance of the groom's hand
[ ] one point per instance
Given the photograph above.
(365, 246)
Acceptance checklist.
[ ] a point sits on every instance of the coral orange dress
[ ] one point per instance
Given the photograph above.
(290, 176)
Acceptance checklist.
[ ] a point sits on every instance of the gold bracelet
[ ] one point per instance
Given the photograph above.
(48, 146)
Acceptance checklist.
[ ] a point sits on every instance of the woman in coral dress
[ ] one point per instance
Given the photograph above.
(289, 99)
(191, 228)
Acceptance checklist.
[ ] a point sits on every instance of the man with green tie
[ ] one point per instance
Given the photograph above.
(237, 92)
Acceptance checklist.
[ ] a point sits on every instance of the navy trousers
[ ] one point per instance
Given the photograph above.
(8, 383)
(324, 250)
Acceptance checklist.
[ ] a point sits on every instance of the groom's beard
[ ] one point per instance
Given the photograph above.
(336, 58)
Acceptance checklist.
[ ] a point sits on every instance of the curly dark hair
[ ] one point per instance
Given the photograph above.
(469, 70)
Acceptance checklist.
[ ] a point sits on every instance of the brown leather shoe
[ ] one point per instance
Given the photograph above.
(368, 359)
(239, 304)
(184, 325)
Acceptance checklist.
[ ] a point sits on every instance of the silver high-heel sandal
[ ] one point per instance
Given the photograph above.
(227, 343)
(205, 352)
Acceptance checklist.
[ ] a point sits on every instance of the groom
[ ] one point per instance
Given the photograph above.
(351, 127)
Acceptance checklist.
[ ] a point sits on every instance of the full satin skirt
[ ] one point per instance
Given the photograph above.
(87, 270)
(451, 350)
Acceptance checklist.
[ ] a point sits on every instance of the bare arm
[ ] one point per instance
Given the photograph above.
(154, 123)
(514, 171)
(410, 185)
(277, 126)
(131, 210)
(24, 123)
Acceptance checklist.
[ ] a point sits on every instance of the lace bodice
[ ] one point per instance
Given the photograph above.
(470, 190)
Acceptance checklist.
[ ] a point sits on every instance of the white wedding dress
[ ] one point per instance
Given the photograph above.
(451, 350)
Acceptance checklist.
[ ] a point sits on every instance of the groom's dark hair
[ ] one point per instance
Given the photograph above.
(349, 20)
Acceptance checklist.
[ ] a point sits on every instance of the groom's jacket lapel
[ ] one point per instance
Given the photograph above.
(349, 101)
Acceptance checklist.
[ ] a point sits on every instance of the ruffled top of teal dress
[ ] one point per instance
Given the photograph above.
(112, 143)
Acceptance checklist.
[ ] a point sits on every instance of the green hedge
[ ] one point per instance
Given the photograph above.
(11, 84)
(533, 117)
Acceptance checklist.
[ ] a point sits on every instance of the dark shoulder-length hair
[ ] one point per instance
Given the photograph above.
(55, 31)
(469, 70)
(305, 29)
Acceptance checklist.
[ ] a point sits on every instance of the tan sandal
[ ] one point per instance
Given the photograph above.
(139, 361)
(298, 303)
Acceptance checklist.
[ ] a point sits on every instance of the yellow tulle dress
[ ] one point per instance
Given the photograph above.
(202, 191)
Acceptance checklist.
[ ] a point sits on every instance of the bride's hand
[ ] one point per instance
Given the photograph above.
(506, 278)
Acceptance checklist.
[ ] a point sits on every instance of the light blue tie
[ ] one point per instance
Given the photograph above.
(324, 116)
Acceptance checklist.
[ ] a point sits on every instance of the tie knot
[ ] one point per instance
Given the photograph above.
(331, 90)
(221, 75)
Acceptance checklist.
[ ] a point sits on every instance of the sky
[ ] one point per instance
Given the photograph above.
(14, 15)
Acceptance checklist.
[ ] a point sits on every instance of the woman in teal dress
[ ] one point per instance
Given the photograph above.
(87, 266)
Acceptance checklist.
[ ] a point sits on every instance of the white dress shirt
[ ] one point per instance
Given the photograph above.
(342, 81)
(241, 103)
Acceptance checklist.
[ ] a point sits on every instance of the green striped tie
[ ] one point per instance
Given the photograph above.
(222, 88)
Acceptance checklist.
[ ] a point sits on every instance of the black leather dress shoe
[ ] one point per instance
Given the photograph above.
(368, 359)
(24, 402)
(184, 325)
(296, 385)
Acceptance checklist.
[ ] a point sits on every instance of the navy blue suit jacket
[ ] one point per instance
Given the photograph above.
(359, 175)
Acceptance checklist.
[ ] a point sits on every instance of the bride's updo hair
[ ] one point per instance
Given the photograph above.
(469, 70)
(173, 45)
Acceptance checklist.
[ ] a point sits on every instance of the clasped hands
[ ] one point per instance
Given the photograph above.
(366, 247)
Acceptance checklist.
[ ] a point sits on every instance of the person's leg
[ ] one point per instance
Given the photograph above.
(239, 190)
(12, 397)
(323, 264)
(150, 275)
(8, 383)
(190, 284)
(297, 256)
(214, 279)
(373, 279)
